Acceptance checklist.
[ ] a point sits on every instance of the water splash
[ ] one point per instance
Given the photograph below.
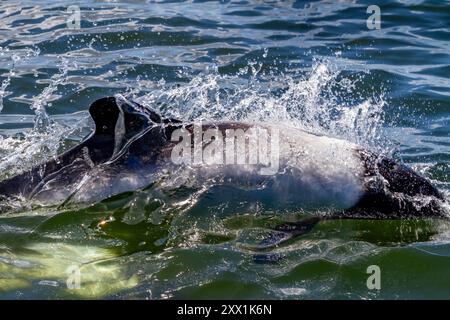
(21, 151)
(16, 59)
(6, 82)
(316, 101)
(43, 122)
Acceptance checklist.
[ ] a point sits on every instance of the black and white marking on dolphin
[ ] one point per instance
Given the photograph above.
(131, 144)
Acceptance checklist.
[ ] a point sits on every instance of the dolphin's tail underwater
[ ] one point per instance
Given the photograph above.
(395, 191)
(392, 191)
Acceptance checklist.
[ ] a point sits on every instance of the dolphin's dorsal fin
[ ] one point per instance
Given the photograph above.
(106, 111)
(122, 121)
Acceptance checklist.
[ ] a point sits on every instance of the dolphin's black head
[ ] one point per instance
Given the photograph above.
(118, 122)
(394, 190)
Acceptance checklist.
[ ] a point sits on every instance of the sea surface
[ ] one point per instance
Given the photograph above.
(317, 66)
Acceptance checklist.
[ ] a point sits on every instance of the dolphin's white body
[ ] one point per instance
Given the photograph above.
(313, 172)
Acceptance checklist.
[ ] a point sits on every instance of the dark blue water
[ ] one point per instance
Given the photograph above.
(313, 65)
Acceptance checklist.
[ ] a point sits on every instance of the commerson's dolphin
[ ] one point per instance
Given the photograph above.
(133, 145)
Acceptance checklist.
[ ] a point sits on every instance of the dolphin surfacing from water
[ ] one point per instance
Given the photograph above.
(132, 144)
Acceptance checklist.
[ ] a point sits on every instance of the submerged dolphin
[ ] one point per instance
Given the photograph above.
(132, 146)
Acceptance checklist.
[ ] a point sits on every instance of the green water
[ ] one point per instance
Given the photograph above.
(261, 60)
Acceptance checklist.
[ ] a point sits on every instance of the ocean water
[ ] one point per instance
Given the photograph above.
(317, 66)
